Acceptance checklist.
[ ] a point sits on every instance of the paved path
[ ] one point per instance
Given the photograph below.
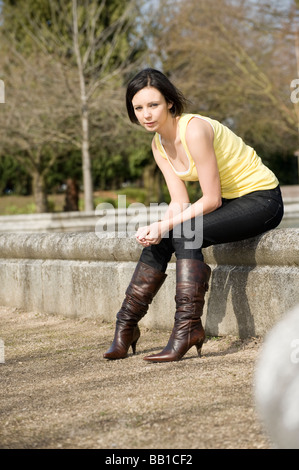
(58, 392)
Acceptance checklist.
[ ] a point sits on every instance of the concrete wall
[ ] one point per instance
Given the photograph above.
(253, 282)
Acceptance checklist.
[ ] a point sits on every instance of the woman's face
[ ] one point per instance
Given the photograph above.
(151, 108)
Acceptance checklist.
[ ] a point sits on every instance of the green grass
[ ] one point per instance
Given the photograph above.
(13, 205)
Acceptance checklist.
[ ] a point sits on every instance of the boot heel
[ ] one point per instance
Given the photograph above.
(199, 346)
(134, 346)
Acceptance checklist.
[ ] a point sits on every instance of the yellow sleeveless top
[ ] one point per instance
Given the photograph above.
(241, 170)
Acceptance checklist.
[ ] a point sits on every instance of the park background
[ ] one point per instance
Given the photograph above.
(66, 141)
(66, 145)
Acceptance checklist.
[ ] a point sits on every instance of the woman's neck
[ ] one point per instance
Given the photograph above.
(170, 130)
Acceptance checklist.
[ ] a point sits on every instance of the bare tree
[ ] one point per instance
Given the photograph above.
(234, 60)
(102, 57)
(90, 48)
(33, 122)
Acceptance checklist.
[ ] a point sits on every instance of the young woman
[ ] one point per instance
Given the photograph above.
(240, 199)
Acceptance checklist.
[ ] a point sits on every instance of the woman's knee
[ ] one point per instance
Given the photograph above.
(157, 256)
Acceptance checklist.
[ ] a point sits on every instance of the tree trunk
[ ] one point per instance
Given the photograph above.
(71, 196)
(39, 192)
(86, 161)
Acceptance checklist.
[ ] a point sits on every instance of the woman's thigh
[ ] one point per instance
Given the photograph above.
(237, 219)
(244, 217)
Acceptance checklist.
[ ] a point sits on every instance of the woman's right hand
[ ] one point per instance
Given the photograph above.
(150, 234)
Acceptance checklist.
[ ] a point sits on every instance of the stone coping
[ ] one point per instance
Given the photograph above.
(276, 247)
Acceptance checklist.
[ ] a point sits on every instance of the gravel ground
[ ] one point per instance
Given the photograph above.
(59, 393)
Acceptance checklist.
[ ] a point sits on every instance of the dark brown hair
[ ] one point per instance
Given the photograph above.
(156, 79)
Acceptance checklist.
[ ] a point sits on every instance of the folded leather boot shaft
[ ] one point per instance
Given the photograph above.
(192, 278)
(145, 283)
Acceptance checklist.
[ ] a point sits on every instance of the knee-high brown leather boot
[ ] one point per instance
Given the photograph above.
(192, 277)
(144, 285)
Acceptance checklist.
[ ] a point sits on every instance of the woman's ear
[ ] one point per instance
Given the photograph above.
(171, 108)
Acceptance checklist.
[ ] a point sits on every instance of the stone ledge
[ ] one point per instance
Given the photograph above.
(253, 282)
(276, 247)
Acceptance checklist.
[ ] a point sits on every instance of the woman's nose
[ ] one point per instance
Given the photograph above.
(147, 112)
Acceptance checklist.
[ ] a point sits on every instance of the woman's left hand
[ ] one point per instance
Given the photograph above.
(150, 234)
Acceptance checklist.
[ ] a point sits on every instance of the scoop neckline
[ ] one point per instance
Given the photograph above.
(182, 173)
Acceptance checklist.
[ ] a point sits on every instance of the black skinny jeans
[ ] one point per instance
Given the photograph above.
(237, 219)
